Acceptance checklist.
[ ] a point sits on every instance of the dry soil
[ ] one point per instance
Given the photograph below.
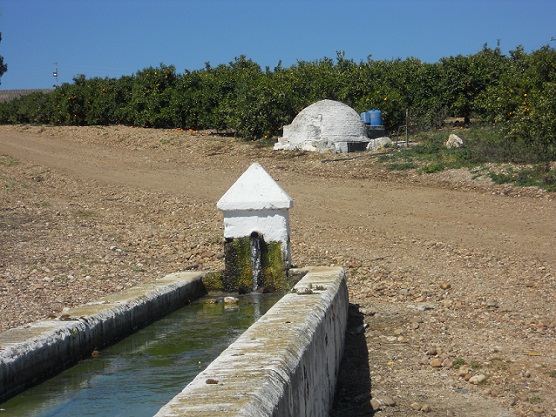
(452, 279)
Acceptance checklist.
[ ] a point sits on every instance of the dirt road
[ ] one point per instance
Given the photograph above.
(446, 269)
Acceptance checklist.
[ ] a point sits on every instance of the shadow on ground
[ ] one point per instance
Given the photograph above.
(353, 389)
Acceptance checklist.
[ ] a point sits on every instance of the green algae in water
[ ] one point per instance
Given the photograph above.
(140, 374)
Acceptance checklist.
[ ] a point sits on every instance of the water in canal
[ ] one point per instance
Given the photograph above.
(140, 374)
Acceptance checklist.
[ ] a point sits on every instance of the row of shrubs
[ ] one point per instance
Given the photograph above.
(514, 92)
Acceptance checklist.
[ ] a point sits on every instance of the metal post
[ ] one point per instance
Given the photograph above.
(55, 74)
(406, 128)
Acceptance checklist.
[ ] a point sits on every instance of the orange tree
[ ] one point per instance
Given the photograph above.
(522, 104)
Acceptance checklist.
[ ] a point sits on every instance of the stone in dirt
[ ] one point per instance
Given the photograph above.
(454, 141)
(379, 143)
(477, 379)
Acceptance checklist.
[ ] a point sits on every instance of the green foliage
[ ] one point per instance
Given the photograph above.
(482, 145)
(515, 94)
(536, 176)
(401, 166)
(34, 108)
(3, 66)
(458, 363)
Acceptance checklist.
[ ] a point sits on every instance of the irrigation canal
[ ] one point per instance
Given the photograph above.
(140, 374)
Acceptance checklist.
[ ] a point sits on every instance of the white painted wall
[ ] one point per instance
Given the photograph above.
(321, 125)
(273, 225)
(256, 203)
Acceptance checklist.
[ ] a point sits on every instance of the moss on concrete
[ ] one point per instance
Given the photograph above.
(238, 272)
(273, 267)
(213, 281)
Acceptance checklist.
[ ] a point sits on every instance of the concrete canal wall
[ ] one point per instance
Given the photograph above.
(37, 351)
(286, 364)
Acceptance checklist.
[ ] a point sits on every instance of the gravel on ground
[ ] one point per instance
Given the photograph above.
(452, 279)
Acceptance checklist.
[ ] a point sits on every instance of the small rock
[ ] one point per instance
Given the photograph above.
(463, 370)
(384, 401)
(388, 401)
(211, 381)
(416, 406)
(477, 379)
(445, 285)
(231, 300)
(436, 363)
(367, 312)
(426, 306)
(207, 254)
(521, 398)
(448, 363)
(431, 351)
(454, 141)
(425, 408)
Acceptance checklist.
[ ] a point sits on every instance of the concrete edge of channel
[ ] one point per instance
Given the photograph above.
(35, 352)
(286, 364)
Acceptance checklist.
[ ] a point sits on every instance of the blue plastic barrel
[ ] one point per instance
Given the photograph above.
(375, 117)
(365, 117)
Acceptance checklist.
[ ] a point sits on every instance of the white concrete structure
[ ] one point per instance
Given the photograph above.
(326, 125)
(256, 203)
(36, 351)
(284, 365)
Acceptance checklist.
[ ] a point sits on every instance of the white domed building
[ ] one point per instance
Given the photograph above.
(326, 125)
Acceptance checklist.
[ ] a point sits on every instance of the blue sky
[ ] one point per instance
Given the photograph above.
(111, 38)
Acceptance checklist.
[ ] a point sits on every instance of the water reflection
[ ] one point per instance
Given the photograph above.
(140, 374)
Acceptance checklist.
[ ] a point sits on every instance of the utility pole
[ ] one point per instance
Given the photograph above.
(55, 75)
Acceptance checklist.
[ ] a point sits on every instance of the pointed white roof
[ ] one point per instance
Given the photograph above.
(255, 189)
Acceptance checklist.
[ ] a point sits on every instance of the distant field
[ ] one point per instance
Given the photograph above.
(7, 95)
